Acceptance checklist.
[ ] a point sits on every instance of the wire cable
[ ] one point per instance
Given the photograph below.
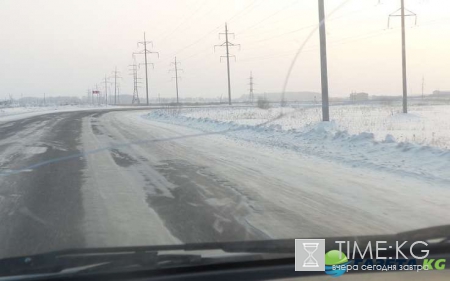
(269, 17)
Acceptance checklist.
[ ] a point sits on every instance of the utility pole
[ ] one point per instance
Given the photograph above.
(423, 84)
(405, 93)
(323, 62)
(404, 82)
(228, 65)
(115, 84)
(134, 70)
(176, 75)
(251, 96)
(98, 94)
(227, 44)
(106, 91)
(44, 99)
(118, 93)
(145, 52)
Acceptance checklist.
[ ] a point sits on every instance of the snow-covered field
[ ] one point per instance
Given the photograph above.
(424, 124)
(373, 136)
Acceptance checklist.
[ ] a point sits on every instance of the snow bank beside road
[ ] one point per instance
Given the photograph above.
(423, 125)
(329, 141)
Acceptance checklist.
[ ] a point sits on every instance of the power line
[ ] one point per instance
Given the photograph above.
(432, 22)
(272, 24)
(287, 53)
(166, 34)
(342, 41)
(323, 34)
(145, 52)
(134, 70)
(115, 84)
(270, 16)
(201, 52)
(404, 81)
(211, 31)
(118, 93)
(249, 7)
(195, 42)
(175, 64)
(227, 44)
(98, 94)
(290, 32)
(251, 96)
(286, 33)
(106, 89)
(88, 95)
(296, 30)
(423, 84)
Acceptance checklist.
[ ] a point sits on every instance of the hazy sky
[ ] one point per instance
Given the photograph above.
(64, 47)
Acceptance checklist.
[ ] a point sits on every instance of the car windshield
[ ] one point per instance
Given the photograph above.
(149, 123)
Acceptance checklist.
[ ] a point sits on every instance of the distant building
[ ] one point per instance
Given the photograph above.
(288, 96)
(359, 96)
(386, 98)
(441, 94)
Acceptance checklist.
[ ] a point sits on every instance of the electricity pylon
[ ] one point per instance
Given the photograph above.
(251, 95)
(115, 72)
(134, 70)
(176, 69)
(227, 44)
(145, 52)
(106, 89)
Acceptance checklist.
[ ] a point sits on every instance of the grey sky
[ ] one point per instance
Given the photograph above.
(63, 47)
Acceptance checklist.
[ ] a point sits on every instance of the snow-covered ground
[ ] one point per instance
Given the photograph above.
(16, 113)
(286, 189)
(373, 136)
(169, 178)
(424, 124)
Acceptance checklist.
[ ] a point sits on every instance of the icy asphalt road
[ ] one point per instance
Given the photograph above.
(95, 179)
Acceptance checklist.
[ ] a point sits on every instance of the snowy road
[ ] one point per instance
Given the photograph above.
(99, 179)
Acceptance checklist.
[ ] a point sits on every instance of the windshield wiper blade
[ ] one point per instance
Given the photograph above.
(55, 262)
(153, 256)
(95, 259)
(141, 256)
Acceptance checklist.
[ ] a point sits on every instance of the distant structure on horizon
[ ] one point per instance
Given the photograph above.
(288, 96)
(359, 96)
(440, 94)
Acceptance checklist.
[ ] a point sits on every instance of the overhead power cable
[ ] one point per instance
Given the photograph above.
(269, 17)
(182, 22)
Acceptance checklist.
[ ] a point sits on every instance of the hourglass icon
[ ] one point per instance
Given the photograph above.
(310, 248)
